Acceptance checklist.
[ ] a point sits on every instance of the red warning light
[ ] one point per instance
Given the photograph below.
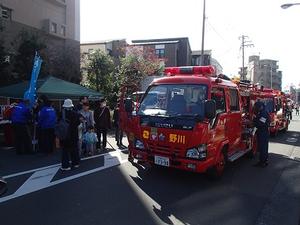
(203, 70)
(172, 71)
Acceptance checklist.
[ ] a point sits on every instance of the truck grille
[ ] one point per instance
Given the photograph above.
(167, 150)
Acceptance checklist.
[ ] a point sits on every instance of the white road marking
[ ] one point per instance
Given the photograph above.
(51, 166)
(37, 181)
(42, 178)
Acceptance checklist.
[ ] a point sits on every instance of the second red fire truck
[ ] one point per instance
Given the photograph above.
(275, 103)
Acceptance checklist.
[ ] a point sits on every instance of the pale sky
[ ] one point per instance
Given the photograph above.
(274, 31)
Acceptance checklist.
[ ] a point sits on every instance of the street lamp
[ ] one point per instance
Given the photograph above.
(288, 5)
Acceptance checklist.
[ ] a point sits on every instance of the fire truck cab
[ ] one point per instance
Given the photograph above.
(194, 123)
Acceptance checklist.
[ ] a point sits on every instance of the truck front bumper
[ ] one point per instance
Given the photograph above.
(198, 166)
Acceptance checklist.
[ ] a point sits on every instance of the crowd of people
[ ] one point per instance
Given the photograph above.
(78, 131)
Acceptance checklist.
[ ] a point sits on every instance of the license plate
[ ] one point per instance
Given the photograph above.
(162, 161)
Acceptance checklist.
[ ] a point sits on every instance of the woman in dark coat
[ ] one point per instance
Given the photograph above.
(103, 123)
(70, 144)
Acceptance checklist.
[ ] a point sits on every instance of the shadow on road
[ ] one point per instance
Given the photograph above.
(288, 137)
(237, 198)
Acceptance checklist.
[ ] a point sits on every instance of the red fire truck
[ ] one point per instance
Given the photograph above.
(275, 103)
(193, 122)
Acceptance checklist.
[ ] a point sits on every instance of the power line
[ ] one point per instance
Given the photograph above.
(212, 27)
(245, 43)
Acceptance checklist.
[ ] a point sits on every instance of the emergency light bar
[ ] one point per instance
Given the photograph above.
(204, 70)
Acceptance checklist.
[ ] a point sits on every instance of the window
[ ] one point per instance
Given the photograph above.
(218, 95)
(160, 53)
(234, 100)
(5, 13)
(53, 28)
(63, 30)
(174, 100)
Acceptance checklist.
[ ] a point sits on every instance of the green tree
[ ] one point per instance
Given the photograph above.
(3, 55)
(100, 72)
(4, 74)
(138, 63)
(27, 44)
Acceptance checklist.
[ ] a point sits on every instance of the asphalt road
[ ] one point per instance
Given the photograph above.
(108, 190)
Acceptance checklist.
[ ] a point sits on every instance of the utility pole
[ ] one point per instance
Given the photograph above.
(203, 31)
(245, 43)
(271, 74)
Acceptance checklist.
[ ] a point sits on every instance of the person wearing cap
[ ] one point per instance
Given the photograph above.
(103, 123)
(262, 121)
(46, 124)
(21, 116)
(70, 145)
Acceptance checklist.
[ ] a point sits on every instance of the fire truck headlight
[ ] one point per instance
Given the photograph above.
(192, 153)
(197, 153)
(139, 144)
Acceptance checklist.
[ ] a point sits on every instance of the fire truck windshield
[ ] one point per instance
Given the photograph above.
(269, 104)
(173, 100)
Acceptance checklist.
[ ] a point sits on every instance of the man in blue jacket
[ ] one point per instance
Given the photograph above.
(262, 122)
(21, 117)
(46, 124)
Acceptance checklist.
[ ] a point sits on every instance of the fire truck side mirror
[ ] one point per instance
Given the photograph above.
(210, 109)
(128, 105)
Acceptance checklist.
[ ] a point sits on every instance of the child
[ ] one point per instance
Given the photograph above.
(90, 139)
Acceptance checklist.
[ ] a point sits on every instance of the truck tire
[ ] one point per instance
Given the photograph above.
(217, 171)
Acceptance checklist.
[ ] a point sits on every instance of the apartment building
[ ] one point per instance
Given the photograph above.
(264, 72)
(173, 51)
(57, 25)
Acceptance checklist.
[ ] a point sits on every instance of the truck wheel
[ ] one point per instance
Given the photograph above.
(218, 170)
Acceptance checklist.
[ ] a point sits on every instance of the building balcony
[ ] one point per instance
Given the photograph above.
(56, 29)
(58, 2)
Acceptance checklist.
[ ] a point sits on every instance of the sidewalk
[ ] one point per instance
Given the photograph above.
(11, 163)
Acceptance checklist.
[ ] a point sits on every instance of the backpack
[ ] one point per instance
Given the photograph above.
(62, 128)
